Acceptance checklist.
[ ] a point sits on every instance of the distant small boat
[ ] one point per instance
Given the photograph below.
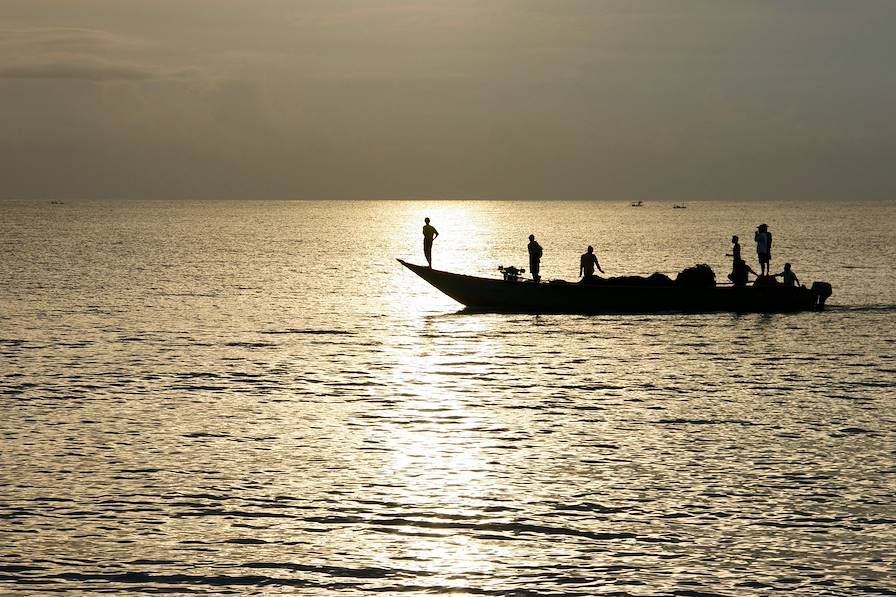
(679, 206)
(514, 295)
(638, 204)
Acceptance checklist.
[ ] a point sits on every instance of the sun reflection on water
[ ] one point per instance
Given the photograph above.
(439, 456)
(437, 447)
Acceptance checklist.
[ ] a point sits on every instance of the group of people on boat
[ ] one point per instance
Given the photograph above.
(588, 261)
(740, 270)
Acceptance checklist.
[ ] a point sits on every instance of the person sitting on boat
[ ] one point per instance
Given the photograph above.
(789, 278)
(535, 253)
(429, 235)
(587, 263)
(739, 274)
(763, 240)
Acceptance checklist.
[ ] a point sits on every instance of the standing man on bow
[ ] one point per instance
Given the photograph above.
(429, 235)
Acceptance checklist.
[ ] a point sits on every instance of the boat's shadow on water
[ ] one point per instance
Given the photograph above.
(627, 318)
(880, 308)
(649, 314)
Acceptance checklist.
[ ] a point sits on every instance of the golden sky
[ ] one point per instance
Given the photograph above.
(515, 99)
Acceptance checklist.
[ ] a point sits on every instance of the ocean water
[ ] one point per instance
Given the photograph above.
(255, 398)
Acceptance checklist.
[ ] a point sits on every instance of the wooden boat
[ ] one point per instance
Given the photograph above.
(515, 295)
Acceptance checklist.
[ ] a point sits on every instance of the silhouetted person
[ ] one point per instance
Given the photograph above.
(764, 248)
(739, 274)
(429, 235)
(789, 278)
(735, 255)
(587, 264)
(735, 251)
(535, 253)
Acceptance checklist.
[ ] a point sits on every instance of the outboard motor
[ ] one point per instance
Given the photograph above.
(821, 290)
(511, 274)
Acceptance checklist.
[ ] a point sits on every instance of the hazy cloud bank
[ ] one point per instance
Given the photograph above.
(73, 53)
(632, 99)
(86, 67)
(62, 38)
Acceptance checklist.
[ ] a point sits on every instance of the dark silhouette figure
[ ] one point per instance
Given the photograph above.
(535, 253)
(735, 251)
(739, 274)
(763, 240)
(735, 255)
(587, 264)
(429, 235)
(789, 278)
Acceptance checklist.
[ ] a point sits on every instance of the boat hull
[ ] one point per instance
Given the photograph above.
(497, 295)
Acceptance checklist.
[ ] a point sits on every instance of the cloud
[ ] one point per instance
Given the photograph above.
(81, 54)
(79, 67)
(64, 38)
(90, 68)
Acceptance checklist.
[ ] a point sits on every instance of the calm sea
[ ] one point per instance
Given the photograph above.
(255, 398)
